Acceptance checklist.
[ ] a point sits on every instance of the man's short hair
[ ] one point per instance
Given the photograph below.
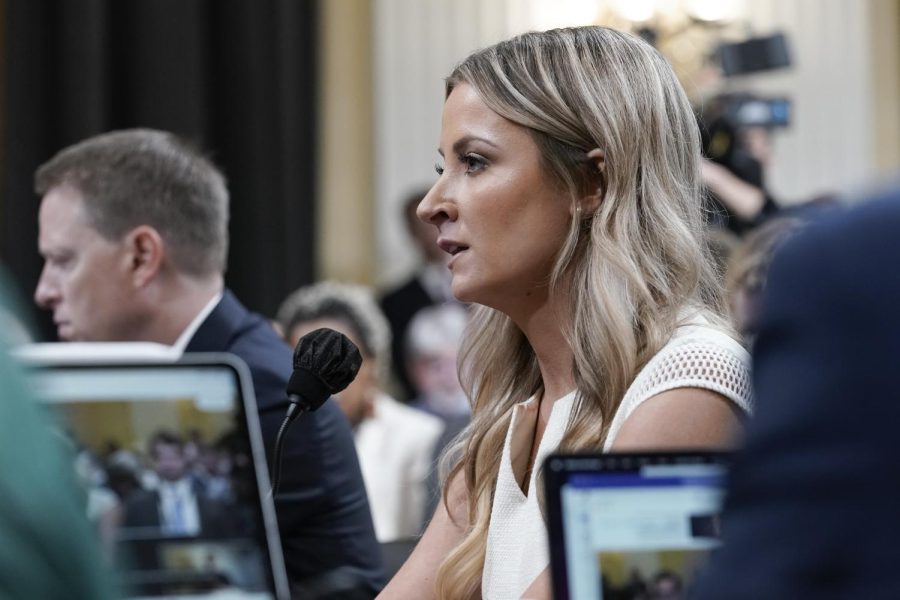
(145, 177)
(163, 437)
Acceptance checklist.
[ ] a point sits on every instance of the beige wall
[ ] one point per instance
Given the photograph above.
(345, 199)
(885, 52)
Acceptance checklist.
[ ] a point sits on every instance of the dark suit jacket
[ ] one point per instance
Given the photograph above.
(323, 511)
(141, 533)
(142, 510)
(813, 509)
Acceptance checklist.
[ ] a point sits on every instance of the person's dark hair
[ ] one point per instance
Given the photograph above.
(410, 203)
(122, 481)
(145, 177)
(671, 576)
(165, 438)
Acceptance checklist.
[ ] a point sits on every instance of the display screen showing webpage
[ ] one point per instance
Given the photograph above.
(170, 475)
(640, 527)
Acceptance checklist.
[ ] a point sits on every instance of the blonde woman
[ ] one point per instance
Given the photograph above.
(569, 198)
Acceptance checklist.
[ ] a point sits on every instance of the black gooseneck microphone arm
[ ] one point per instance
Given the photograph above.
(293, 412)
(325, 362)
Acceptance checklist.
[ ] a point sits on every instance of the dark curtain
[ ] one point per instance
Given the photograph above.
(238, 77)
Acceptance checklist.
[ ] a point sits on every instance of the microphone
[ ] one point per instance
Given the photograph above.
(325, 362)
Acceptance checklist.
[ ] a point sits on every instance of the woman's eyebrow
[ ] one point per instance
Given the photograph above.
(461, 142)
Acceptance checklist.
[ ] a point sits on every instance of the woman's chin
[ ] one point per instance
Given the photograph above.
(465, 292)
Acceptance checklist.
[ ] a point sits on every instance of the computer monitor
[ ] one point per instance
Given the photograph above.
(629, 526)
(171, 459)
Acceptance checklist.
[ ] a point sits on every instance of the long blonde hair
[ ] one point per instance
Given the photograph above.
(631, 267)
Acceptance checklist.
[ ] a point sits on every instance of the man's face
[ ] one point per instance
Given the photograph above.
(168, 461)
(85, 276)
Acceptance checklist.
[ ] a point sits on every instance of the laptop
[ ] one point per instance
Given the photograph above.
(630, 526)
(170, 457)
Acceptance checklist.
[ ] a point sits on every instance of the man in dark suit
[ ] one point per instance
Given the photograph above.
(812, 505)
(134, 233)
(175, 507)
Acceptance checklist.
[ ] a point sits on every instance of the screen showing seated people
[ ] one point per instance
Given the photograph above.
(633, 527)
(169, 477)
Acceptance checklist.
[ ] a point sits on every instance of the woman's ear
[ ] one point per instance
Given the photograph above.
(591, 202)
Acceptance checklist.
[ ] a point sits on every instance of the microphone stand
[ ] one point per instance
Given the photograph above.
(295, 409)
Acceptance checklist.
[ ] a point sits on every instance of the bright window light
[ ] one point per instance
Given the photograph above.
(550, 14)
(636, 11)
(713, 10)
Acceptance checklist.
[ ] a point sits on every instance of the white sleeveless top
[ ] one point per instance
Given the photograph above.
(697, 356)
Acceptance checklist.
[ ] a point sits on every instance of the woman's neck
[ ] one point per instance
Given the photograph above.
(545, 330)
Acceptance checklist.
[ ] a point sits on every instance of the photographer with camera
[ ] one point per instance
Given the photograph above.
(736, 142)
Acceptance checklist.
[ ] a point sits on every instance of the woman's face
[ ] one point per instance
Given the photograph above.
(498, 214)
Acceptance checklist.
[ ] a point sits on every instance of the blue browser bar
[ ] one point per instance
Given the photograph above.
(636, 480)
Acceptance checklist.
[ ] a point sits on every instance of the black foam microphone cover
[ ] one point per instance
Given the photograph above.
(325, 362)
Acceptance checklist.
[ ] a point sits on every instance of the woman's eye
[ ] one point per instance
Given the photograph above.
(438, 169)
(474, 163)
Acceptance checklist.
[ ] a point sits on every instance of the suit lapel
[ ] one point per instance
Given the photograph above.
(219, 328)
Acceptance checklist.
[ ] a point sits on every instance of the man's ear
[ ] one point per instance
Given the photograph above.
(590, 202)
(144, 252)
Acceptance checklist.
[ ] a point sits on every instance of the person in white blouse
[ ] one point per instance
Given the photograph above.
(569, 199)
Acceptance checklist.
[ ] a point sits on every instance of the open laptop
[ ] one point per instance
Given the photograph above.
(173, 468)
(628, 526)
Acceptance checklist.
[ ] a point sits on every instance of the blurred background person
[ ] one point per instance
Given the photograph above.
(737, 142)
(395, 443)
(213, 472)
(432, 357)
(666, 585)
(432, 351)
(103, 505)
(175, 506)
(748, 267)
(429, 285)
(49, 548)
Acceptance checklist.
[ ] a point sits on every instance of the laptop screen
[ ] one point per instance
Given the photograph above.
(173, 472)
(631, 526)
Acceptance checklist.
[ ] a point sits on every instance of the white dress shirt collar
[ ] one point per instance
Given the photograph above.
(186, 335)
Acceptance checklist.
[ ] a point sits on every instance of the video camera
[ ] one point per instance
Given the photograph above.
(746, 110)
(755, 54)
(725, 119)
